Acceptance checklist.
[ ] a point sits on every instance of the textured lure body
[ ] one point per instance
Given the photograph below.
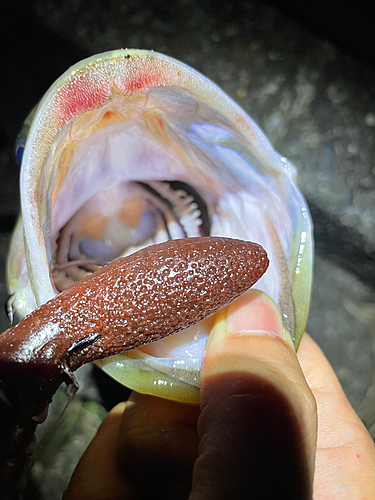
(131, 302)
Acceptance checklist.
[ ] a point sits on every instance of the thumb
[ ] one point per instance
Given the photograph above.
(257, 427)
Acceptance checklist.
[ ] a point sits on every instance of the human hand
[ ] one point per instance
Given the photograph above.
(266, 419)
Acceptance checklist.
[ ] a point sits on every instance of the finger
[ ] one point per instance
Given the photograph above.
(158, 446)
(345, 461)
(96, 476)
(257, 427)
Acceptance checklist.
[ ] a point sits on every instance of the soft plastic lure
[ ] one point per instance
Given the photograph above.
(131, 302)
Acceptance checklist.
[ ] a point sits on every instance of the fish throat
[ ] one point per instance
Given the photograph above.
(153, 212)
(138, 171)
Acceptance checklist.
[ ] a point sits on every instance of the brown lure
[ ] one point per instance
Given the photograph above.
(135, 300)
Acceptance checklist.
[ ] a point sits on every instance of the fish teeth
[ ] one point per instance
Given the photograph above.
(184, 207)
(65, 275)
(9, 307)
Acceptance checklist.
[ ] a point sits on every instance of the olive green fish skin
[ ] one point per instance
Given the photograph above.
(135, 300)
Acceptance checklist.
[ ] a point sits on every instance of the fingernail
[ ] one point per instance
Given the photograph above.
(254, 312)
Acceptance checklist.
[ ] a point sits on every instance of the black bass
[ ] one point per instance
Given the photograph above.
(131, 148)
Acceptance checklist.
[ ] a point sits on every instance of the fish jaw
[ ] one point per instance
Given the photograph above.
(137, 77)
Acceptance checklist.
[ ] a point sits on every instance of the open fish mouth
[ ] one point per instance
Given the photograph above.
(122, 218)
(131, 148)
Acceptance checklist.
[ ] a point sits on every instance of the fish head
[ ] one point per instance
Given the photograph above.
(131, 148)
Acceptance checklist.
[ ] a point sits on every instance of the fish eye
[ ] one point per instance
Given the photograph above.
(22, 136)
(19, 149)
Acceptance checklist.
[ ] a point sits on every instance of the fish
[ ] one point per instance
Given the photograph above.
(131, 148)
(128, 154)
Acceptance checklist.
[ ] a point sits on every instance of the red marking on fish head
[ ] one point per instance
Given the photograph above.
(143, 80)
(82, 93)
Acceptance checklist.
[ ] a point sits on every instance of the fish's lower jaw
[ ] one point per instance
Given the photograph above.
(139, 376)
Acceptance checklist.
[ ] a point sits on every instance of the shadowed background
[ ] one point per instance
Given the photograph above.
(305, 73)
